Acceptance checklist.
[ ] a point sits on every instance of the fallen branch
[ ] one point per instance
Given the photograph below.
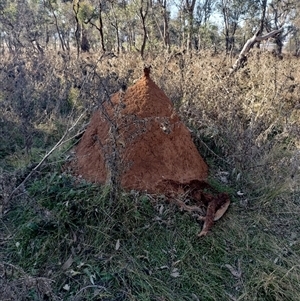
(59, 143)
(242, 58)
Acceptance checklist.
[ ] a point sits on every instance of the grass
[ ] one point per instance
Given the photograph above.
(62, 239)
(135, 250)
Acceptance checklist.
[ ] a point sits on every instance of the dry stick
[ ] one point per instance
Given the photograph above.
(60, 142)
(201, 141)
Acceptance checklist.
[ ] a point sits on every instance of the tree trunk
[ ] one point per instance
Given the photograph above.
(57, 27)
(144, 16)
(279, 44)
(101, 27)
(78, 27)
(226, 29)
(189, 8)
(165, 34)
(115, 25)
(118, 39)
(85, 44)
(190, 31)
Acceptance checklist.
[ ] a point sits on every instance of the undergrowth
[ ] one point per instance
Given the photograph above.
(62, 239)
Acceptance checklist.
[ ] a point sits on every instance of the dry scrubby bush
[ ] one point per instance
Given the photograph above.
(250, 119)
(42, 93)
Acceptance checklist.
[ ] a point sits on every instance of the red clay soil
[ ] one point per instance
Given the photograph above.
(138, 137)
(154, 146)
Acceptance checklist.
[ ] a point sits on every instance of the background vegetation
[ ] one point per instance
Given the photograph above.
(62, 239)
(144, 26)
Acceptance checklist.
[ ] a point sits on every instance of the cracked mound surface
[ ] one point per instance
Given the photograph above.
(141, 128)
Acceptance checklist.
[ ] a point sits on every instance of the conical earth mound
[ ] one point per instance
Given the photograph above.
(138, 137)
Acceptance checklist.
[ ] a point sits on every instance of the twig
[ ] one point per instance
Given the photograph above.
(59, 143)
(209, 149)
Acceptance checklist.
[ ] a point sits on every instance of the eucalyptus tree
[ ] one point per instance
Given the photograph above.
(206, 32)
(118, 23)
(294, 39)
(164, 12)
(258, 37)
(186, 15)
(55, 9)
(116, 19)
(23, 25)
(280, 14)
(87, 15)
(232, 12)
(204, 10)
(126, 25)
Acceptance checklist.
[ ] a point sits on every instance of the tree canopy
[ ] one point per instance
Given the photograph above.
(145, 25)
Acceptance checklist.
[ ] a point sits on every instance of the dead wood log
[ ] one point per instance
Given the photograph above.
(242, 58)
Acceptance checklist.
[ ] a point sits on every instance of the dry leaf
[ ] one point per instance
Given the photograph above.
(161, 209)
(74, 273)
(237, 273)
(176, 262)
(231, 297)
(223, 176)
(117, 247)
(224, 179)
(175, 273)
(68, 263)
(66, 287)
(212, 214)
(220, 212)
(195, 297)
(81, 264)
(163, 267)
(92, 278)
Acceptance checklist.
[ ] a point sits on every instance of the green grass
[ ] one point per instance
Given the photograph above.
(131, 250)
